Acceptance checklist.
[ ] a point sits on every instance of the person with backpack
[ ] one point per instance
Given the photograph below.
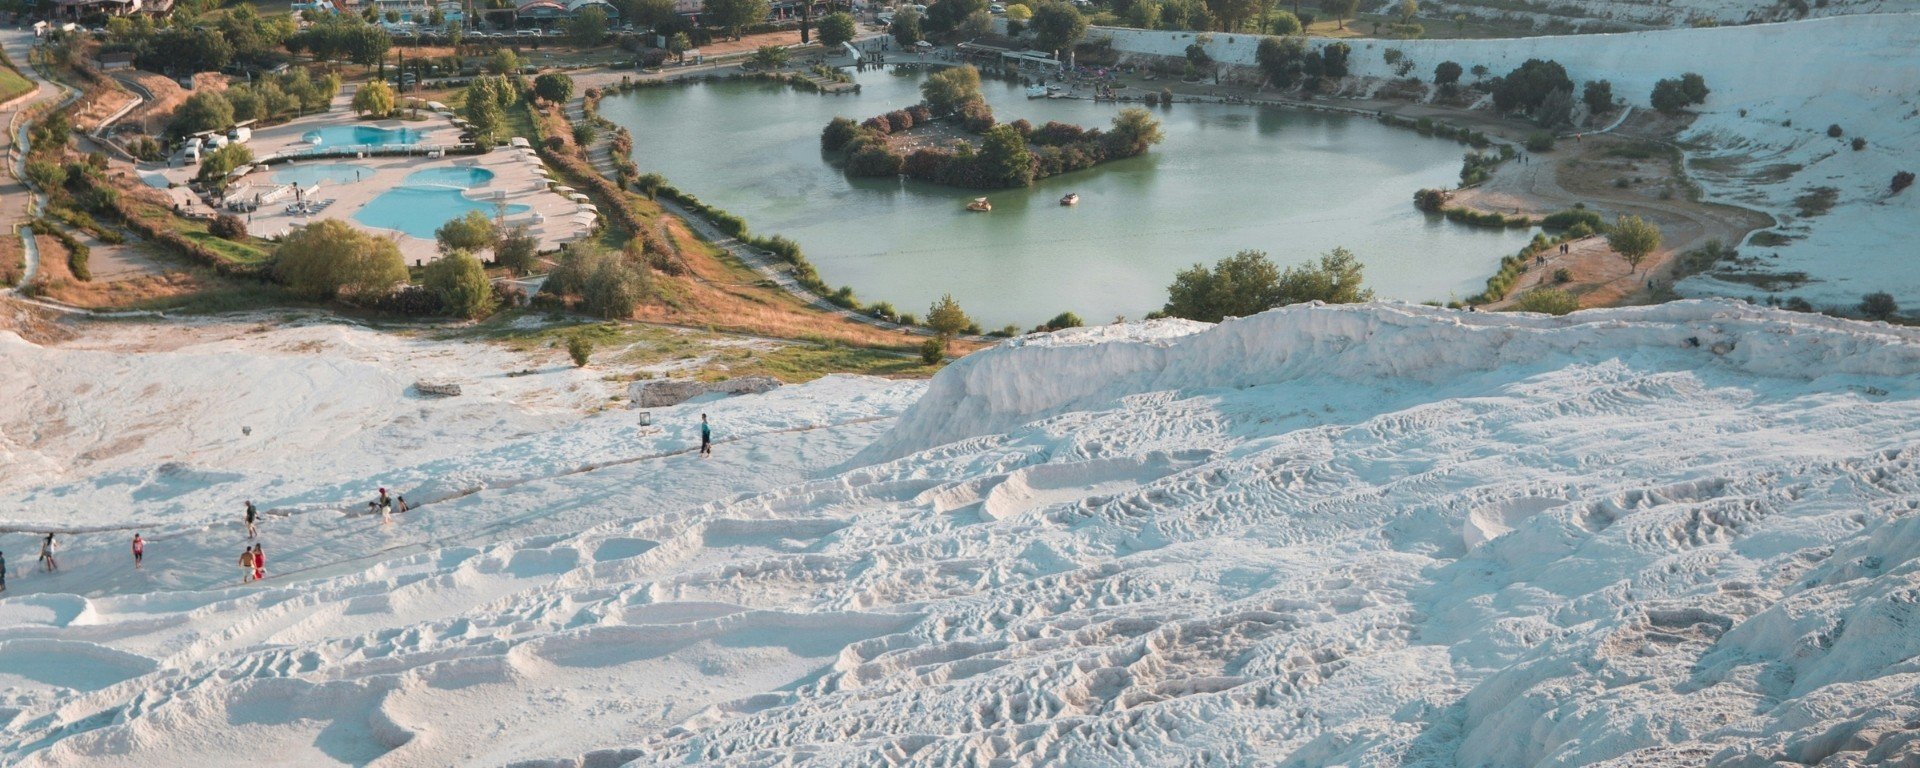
(46, 555)
(139, 550)
(252, 515)
(706, 437)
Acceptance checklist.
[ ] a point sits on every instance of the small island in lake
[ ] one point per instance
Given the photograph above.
(935, 140)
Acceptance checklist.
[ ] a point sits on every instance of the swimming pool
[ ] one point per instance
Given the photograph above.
(462, 176)
(418, 211)
(360, 135)
(323, 173)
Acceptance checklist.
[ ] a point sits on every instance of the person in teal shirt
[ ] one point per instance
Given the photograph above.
(706, 437)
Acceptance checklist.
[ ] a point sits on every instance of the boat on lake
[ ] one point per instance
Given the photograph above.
(1036, 91)
(1072, 198)
(980, 204)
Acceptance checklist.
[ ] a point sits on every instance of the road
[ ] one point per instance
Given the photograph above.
(16, 199)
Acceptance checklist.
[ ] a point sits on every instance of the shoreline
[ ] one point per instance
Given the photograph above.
(1687, 224)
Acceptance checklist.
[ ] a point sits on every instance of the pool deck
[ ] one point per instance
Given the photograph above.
(552, 217)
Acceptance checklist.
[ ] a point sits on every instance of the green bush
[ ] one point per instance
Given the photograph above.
(1552, 301)
(1566, 219)
(932, 351)
(580, 348)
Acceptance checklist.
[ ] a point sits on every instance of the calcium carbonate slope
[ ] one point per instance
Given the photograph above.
(1365, 535)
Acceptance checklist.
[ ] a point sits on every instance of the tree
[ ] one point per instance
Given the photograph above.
(906, 28)
(1879, 305)
(1408, 9)
(1447, 73)
(945, 16)
(330, 259)
(1340, 10)
(588, 27)
(1230, 15)
(1134, 129)
(932, 351)
(1333, 59)
(1247, 283)
(651, 14)
(503, 62)
(976, 24)
(217, 164)
(1019, 12)
(203, 111)
(1004, 157)
(949, 88)
(1695, 87)
(1285, 23)
(374, 98)
(770, 57)
(1668, 97)
(1527, 85)
(1598, 96)
(609, 284)
(947, 320)
(368, 45)
(580, 348)
(517, 250)
(1555, 110)
(1281, 59)
(471, 233)
(483, 111)
(462, 285)
(1056, 25)
(1633, 238)
(555, 87)
(736, 15)
(678, 45)
(226, 226)
(837, 28)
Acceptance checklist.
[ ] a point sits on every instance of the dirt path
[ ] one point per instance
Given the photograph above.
(1580, 172)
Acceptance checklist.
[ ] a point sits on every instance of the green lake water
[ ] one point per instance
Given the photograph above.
(1292, 183)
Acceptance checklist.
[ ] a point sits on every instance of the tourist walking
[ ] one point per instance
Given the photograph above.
(47, 562)
(139, 550)
(252, 515)
(706, 437)
(246, 565)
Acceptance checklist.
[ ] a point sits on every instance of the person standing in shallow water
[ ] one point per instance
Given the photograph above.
(706, 437)
(139, 550)
(46, 555)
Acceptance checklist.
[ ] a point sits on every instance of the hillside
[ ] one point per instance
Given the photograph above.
(1365, 535)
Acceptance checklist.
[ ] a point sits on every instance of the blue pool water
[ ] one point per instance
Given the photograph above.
(464, 177)
(418, 211)
(360, 135)
(323, 173)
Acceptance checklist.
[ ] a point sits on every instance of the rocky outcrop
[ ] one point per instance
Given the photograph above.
(659, 393)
